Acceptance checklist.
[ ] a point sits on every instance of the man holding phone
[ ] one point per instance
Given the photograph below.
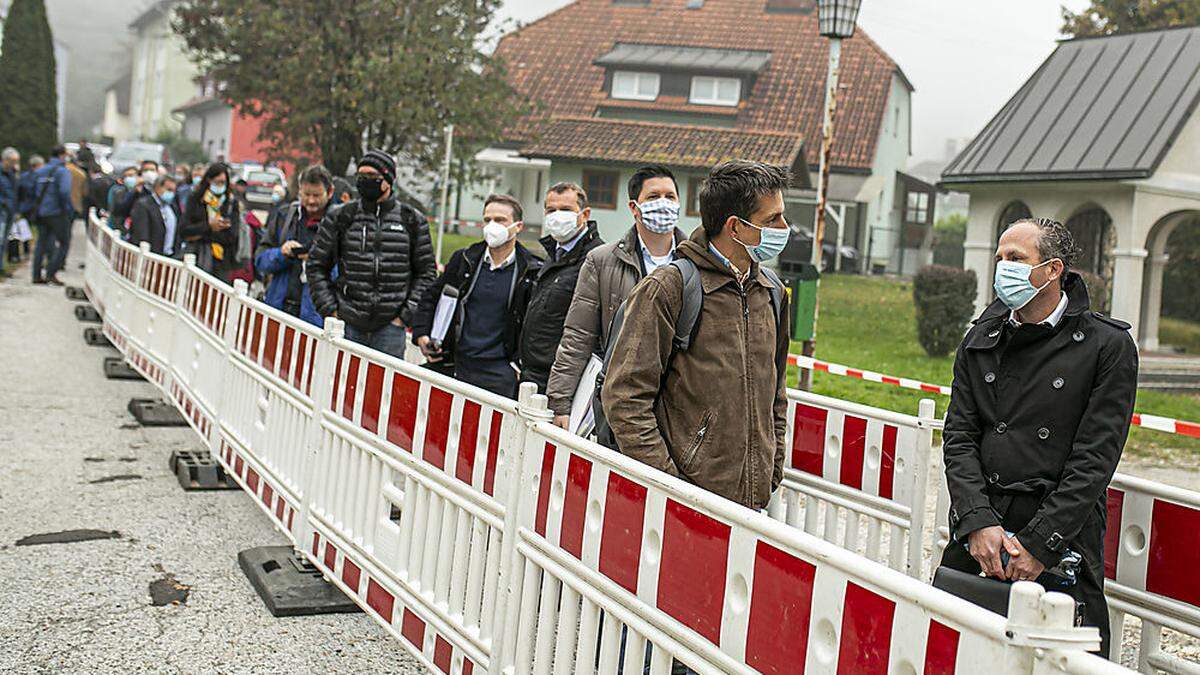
(282, 253)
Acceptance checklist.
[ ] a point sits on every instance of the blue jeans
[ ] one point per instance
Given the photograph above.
(53, 244)
(389, 339)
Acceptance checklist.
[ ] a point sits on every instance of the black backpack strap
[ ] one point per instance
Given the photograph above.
(693, 303)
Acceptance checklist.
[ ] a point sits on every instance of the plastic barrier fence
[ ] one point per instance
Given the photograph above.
(857, 476)
(485, 539)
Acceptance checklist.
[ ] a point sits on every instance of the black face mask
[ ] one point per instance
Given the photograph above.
(370, 187)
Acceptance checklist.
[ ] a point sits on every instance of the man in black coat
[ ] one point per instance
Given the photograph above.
(155, 218)
(492, 279)
(569, 237)
(384, 255)
(1041, 404)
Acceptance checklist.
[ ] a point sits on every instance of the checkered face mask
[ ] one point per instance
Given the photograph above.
(659, 215)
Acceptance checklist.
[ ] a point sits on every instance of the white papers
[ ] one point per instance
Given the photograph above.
(583, 421)
(20, 230)
(444, 314)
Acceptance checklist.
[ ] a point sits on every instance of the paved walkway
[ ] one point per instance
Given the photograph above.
(72, 458)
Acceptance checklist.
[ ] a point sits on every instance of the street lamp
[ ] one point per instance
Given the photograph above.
(836, 20)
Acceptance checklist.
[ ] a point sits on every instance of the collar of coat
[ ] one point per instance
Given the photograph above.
(627, 249)
(713, 273)
(990, 323)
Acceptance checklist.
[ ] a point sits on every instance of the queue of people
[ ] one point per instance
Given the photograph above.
(679, 339)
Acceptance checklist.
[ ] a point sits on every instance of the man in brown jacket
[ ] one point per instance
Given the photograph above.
(608, 274)
(715, 413)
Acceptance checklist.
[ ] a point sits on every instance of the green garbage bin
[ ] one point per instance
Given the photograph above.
(802, 290)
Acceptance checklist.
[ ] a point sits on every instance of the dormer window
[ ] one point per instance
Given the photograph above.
(635, 86)
(708, 90)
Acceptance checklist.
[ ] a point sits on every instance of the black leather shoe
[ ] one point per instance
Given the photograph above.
(54, 280)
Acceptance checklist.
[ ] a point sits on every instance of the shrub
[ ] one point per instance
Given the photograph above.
(945, 300)
(948, 236)
(1097, 289)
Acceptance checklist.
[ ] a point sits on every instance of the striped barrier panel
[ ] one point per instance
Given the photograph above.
(454, 518)
(619, 567)
(857, 476)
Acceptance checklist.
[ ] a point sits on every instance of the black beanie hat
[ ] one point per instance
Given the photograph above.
(381, 162)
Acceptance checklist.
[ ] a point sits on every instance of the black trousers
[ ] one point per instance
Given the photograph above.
(1088, 589)
(494, 375)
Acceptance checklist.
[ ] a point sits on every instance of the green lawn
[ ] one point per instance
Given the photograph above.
(452, 243)
(1180, 333)
(869, 323)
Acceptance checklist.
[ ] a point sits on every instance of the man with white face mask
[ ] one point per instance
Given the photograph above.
(570, 236)
(608, 274)
(1042, 399)
(488, 282)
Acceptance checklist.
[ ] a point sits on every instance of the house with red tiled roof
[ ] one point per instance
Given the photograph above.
(614, 84)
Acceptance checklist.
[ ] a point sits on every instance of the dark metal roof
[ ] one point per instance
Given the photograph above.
(704, 59)
(1097, 108)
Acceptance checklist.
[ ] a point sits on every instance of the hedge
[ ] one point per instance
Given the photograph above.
(945, 300)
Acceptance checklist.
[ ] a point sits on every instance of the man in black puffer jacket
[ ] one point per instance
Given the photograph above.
(384, 255)
(570, 234)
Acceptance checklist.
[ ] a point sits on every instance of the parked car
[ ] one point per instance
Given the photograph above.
(261, 182)
(799, 250)
(134, 153)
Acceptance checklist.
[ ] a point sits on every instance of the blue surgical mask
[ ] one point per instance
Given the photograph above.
(771, 242)
(1012, 283)
(130, 182)
(217, 190)
(659, 215)
(195, 180)
(168, 196)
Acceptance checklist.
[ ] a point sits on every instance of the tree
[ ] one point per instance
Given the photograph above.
(1107, 17)
(182, 150)
(28, 95)
(390, 72)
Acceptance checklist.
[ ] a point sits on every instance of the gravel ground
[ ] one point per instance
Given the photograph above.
(74, 459)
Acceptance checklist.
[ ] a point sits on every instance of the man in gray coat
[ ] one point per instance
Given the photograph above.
(608, 274)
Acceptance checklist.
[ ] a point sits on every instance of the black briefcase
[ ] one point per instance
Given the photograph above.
(990, 594)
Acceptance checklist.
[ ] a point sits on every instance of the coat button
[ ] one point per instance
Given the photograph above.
(989, 378)
(1001, 427)
(1058, 383)
(1077, 336)
(994, 478)
(993, 333)
(1043, 433)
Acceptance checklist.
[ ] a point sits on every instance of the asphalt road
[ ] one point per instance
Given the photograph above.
(72, 458)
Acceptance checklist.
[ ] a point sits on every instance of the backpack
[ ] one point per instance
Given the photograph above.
(685, 330)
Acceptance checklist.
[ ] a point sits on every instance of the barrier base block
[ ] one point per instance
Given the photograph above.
(197, 470)
(115, 368)
(151, 412)
(75, 293)
(95, 337)
(289, 585)
(87, 313)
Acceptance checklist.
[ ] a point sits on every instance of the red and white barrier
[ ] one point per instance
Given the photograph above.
(857, 477)
(483, 538)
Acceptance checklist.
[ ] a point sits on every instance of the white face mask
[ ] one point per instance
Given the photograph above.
(148, 177)
(496, 234)
(562, 225)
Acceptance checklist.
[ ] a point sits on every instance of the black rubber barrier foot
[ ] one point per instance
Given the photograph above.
(151, 412)
(289, 585)
(197, 470)
(115, 368)
(95, 337)
(76, 293)
(87, 313)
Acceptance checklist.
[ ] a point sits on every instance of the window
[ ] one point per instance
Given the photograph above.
(918, 207)
(635, 86)
(601, 188)
(693, 195)
(716, 90)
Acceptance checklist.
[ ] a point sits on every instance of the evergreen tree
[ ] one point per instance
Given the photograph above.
(28, 96)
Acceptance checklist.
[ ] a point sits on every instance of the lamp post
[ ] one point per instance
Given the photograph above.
(836, 20)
